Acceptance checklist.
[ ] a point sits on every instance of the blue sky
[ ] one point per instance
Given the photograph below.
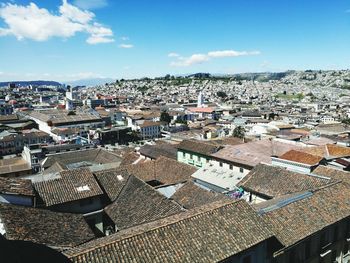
(76, 39)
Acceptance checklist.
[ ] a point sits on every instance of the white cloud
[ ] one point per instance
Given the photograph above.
(90, 4)
(231, 53)
(200, 58)
(39, 24)
(126, 46)
(173, 55)
(124, 38)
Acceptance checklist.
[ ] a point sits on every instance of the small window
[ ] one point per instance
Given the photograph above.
(191, 156)
(183, 154)
(221, 164)
(231, 167)
(198, 158)
(241, 170)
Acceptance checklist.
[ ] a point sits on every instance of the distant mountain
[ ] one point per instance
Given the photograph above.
(89, 82)
(33, 83)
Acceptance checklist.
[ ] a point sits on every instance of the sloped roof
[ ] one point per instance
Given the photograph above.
(196, 146)
(335, 174)
(294, 222)
(272, 181)
(253, 153)
(73, 185)
(14, 165)
(139, 203)
(301, 157)
(60, 230)
(112, 181)
(191, 195)
(16, 186)
(207, 234)
(155, 151)
(329, 151)
(96, 156)
(164, 170)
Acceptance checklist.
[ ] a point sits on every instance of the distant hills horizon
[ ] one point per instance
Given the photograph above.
(260, 76)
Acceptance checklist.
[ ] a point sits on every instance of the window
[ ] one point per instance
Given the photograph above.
(241, 170)
(221, 164)
(198, 158)
(231, 167)
(183, 154)
(191, 156)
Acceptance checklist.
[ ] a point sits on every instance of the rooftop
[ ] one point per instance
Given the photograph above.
(271, 181)
(207, 234)
(72, 185)
(58, 230)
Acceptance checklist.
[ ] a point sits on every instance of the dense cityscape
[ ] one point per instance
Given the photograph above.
(171, 163)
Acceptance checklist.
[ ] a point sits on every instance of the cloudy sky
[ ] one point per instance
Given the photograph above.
(78, 39)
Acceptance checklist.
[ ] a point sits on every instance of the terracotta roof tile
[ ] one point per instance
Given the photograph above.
(190, 196)
(272, 181)
(297, 220)
(138, 203)
(207, 234)
(73, 185)
(301, 157)
(59, 230)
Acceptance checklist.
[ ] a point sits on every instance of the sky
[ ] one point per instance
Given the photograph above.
(78, 39)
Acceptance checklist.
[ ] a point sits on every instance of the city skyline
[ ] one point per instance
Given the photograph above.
(71, 40)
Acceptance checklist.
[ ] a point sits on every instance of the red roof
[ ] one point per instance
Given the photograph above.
(202, 110)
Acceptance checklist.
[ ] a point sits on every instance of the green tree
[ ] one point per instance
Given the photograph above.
(239, 132)
(221, 94)
(165, 117)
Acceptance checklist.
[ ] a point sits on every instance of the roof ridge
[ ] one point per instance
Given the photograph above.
(189, 214)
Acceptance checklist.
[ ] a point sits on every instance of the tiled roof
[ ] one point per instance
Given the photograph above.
(198, 147)
(207, 234)
(96, 156)
(14, 165)
(335, 174)
(190, 196)
(129, 158)
(112, 181)
(9, 117)
(329, 151)
(272, 181)
(138, 203)
(155, 151)
(73, 185)
(164, 170)
(301, 157)
(150, 124)
(59, 230)
(16, 186)
(294, 222)
(202, 110)
(252, 153)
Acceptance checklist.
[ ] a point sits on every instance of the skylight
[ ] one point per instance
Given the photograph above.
(83, 188)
